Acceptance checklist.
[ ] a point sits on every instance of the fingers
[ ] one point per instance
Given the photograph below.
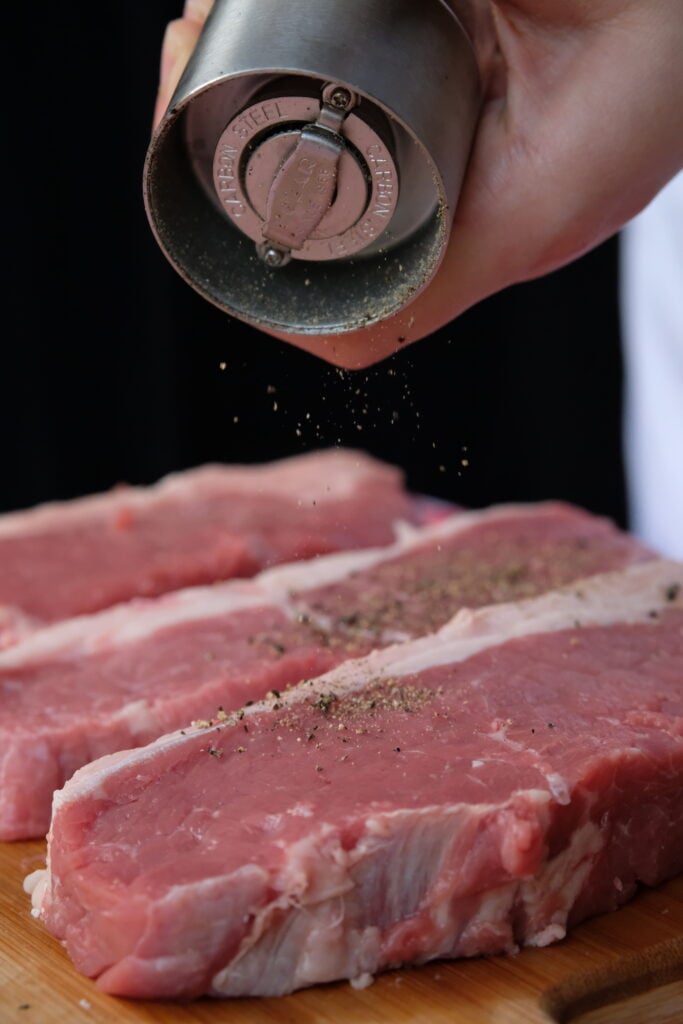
(197, 10)
(574, 149)
(179, 42)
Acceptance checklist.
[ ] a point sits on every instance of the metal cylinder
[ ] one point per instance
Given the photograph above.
(305, 175)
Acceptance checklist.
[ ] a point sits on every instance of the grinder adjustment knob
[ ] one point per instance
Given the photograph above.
(306, 178)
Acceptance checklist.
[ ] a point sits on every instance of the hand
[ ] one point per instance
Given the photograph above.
(580, 128)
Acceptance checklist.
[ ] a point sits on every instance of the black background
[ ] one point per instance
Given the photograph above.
(111, 366)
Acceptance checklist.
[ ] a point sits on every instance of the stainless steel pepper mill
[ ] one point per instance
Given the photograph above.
(305, 175)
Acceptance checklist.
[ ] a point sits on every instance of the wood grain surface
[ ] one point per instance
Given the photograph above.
(621, 968)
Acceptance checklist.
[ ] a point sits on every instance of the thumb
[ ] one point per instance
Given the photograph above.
(180, 40)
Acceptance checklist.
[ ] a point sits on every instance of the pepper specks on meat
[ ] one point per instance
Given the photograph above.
(421, 593)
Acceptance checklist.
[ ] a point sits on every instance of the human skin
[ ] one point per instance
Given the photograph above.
(581, 126)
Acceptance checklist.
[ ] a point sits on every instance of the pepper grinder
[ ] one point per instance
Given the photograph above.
(305, 175)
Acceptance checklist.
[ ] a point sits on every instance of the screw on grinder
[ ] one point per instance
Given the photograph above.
(305, 175)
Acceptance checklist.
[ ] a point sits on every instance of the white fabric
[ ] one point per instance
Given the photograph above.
(652, 321)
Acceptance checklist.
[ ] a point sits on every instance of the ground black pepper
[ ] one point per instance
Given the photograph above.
(325, 701)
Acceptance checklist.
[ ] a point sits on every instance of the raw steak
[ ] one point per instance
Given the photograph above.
(125, 676)
(206, 524)
(466, 793)
(119, 679)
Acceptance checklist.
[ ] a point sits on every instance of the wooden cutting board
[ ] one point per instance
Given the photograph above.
(621, 968)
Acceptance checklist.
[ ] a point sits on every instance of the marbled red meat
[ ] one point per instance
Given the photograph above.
(121, 678)
(207, 524)
(462, 794)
